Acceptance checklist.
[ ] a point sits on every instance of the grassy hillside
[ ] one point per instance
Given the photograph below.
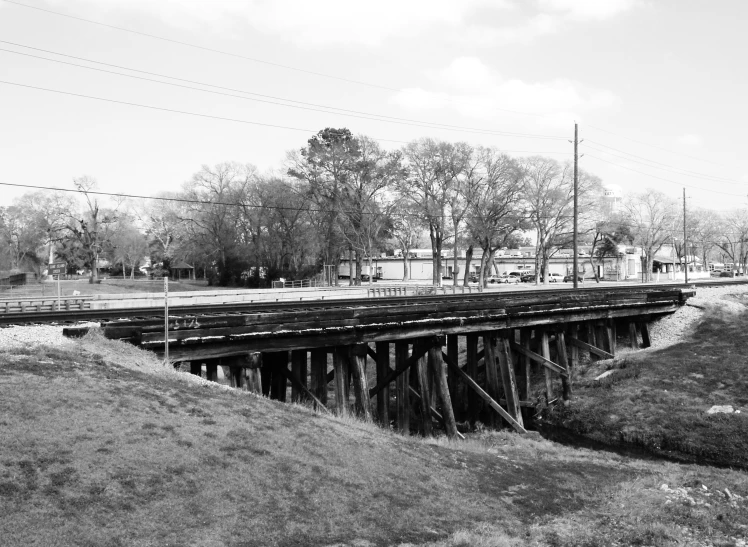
(102, 446)
(658, 399)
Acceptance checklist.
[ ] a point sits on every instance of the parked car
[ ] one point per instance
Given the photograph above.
(473, 278)
(570, 277)
(527, 277)
(494, 279)
(553, 277)
(365, 277)
(511, 277)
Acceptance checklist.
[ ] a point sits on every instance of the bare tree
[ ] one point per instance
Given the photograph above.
(652, 215)
(433, 168)
(734, 237)
(494, 192)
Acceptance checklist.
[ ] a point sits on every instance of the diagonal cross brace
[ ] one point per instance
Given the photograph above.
(547, 363)
(589, 347)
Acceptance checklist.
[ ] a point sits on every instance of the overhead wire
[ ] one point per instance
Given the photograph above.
(269, 99)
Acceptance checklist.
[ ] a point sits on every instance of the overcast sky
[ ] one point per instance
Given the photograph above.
(658, 87)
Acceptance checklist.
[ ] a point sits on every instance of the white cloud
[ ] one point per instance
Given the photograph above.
(473, 89)
(689, 139)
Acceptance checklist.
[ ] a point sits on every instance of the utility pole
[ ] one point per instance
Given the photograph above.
(685, 241)
(575, 250)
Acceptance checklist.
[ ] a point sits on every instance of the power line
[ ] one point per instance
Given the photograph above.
(664, 179)
(673, 169)
(316, 107)
(641, 142)
(245, 57)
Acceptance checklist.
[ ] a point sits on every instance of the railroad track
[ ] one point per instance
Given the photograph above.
(418, 303)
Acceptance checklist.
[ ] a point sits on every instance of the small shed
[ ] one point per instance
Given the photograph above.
(182, 270)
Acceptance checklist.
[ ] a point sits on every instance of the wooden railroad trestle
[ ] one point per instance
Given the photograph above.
(465, 359)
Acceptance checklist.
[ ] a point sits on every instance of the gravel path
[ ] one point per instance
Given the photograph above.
(664, 332)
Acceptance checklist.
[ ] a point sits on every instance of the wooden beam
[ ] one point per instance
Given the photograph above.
(403, 392)
(435, 413)
(563, 362)
(574, 356)
(442, 389)
(547, 363)
(383, 397)
(360, 383)
(291, 377)
(633, 341)
(524, 340)
(592, 349)
(453, 352)
(423, 385)
(546, 353)
(485, 396)
(646, 341)
(490, 343)
(341, 367)
(506, 366)
(399, 369)
(319, 375)
(471, 364)
(371, 353)
(299, 368)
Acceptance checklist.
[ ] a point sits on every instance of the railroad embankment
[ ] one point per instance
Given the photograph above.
(686, 398)
(102, 445)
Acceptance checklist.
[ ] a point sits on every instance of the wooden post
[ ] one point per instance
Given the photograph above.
(610, 336)
(211, 371)
(266, 374)
(319, 374)
(383, 397)
(508, 380)
(524, 340)
(490, 343)
(472, 371)
(574, 357)
(633, 342)
(254, 362)
(196, 368)
(592, 339)
(563, 361)
(440, 379)
(646, 342)
(546, 352)
(421, 369)
(341, 367)
(402, 391)
(360, 384)
(452, 378)
(299, 368)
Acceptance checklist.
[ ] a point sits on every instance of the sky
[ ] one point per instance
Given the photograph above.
(657, 87)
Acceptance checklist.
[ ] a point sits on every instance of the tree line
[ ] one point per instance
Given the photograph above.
(344, 195)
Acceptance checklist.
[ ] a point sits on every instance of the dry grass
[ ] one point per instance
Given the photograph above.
(102, 445)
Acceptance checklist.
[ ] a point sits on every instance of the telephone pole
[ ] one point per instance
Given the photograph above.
(685, 241)
(575, 250)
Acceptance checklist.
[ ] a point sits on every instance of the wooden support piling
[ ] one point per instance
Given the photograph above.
(546, 352)
(485, 396)
(421, 369)
(319, 374)
(402, 389)
(252, 372)
(592, 339)
(299, 368)
(646, 342)
(196, 368)
(633, 341)
(524, 340)
(211, 371)
(574, 350)
(341, 367)
(383, 397)
(442, 389)
(508, 379)
(563, 362)
(360, 384)
(452, 351)
(471, 341)
(490, 343)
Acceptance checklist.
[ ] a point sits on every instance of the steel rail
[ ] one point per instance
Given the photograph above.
(150, 313)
